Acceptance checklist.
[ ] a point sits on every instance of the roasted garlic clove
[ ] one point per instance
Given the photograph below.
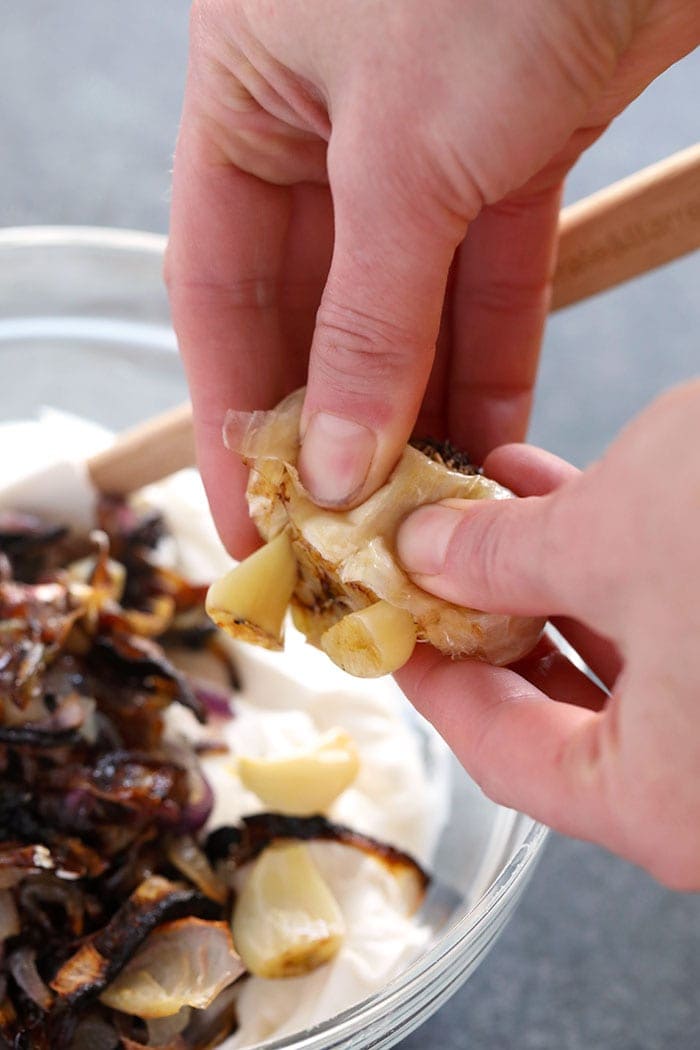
(251, 601)
(286, 921)
(374, 641)
(307, 782)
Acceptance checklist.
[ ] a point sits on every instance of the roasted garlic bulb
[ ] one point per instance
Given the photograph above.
(339, 569)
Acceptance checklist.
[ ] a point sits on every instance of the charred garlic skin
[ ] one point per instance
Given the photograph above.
(350, 595)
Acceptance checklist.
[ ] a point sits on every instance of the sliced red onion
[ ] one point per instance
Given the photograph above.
(163, 1031)
(183, 963)
(95, 1032)
(22, 966)
(9, 916)
(215, 701)
(196, 813)
(189, 859)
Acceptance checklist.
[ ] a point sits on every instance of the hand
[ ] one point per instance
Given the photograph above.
(614, 553)
(416, 118)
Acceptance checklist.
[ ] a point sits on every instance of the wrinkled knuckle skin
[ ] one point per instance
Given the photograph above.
(357, 352)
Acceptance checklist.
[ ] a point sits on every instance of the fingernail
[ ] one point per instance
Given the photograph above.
(424, 538)
(335, 458)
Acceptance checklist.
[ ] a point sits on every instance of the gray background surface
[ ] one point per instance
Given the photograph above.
(597, 956)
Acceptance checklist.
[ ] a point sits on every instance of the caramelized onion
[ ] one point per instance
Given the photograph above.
(192, 862)
(9, 916)
(183, 963)
(22, 966)
(100, 959)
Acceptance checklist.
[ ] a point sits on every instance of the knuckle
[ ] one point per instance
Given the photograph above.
(564, 564)
(357, 350)
(508, 298)
(488, 556)
(247, 292)
(481, 550)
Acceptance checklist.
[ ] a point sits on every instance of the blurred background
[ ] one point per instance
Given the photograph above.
(597, 956)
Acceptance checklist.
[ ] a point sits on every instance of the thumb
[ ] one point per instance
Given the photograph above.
(510, 556)
(377, 324)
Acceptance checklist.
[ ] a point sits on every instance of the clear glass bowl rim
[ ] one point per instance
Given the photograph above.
(452, 947)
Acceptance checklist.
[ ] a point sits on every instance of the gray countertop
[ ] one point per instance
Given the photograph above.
(597, 955)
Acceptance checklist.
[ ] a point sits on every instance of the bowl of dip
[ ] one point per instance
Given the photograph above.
(85, 332)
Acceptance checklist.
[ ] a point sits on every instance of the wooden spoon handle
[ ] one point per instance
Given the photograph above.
(150, 451)
(629, 228)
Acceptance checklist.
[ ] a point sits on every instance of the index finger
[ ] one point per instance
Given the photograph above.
(224, 257)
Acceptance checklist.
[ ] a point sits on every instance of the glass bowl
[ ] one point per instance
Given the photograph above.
(85, 327)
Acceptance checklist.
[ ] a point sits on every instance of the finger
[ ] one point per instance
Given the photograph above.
(598, 653)
(377, 325)
(503, 556)
(531, 471)
(432, 418)
(500, 303)
(548, 668)
(307, 255)
(527, 470)
(524, 750)
(224, 257)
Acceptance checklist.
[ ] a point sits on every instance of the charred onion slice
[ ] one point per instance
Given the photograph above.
(148, 785)
(31, 544)
(142, 662)
(9, 916)
(67, 859)
(58, 728)
(92, 787)
(98, 961)
(191, 861)
(35, 621)
(182, 963)
(22, 966)
(243, 843)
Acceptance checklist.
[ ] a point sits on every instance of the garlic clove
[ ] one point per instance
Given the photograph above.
(286, 921)
(374, 641)
(251, 600)
(307, 782)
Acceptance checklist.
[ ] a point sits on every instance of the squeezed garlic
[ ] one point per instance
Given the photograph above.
(351, 596)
